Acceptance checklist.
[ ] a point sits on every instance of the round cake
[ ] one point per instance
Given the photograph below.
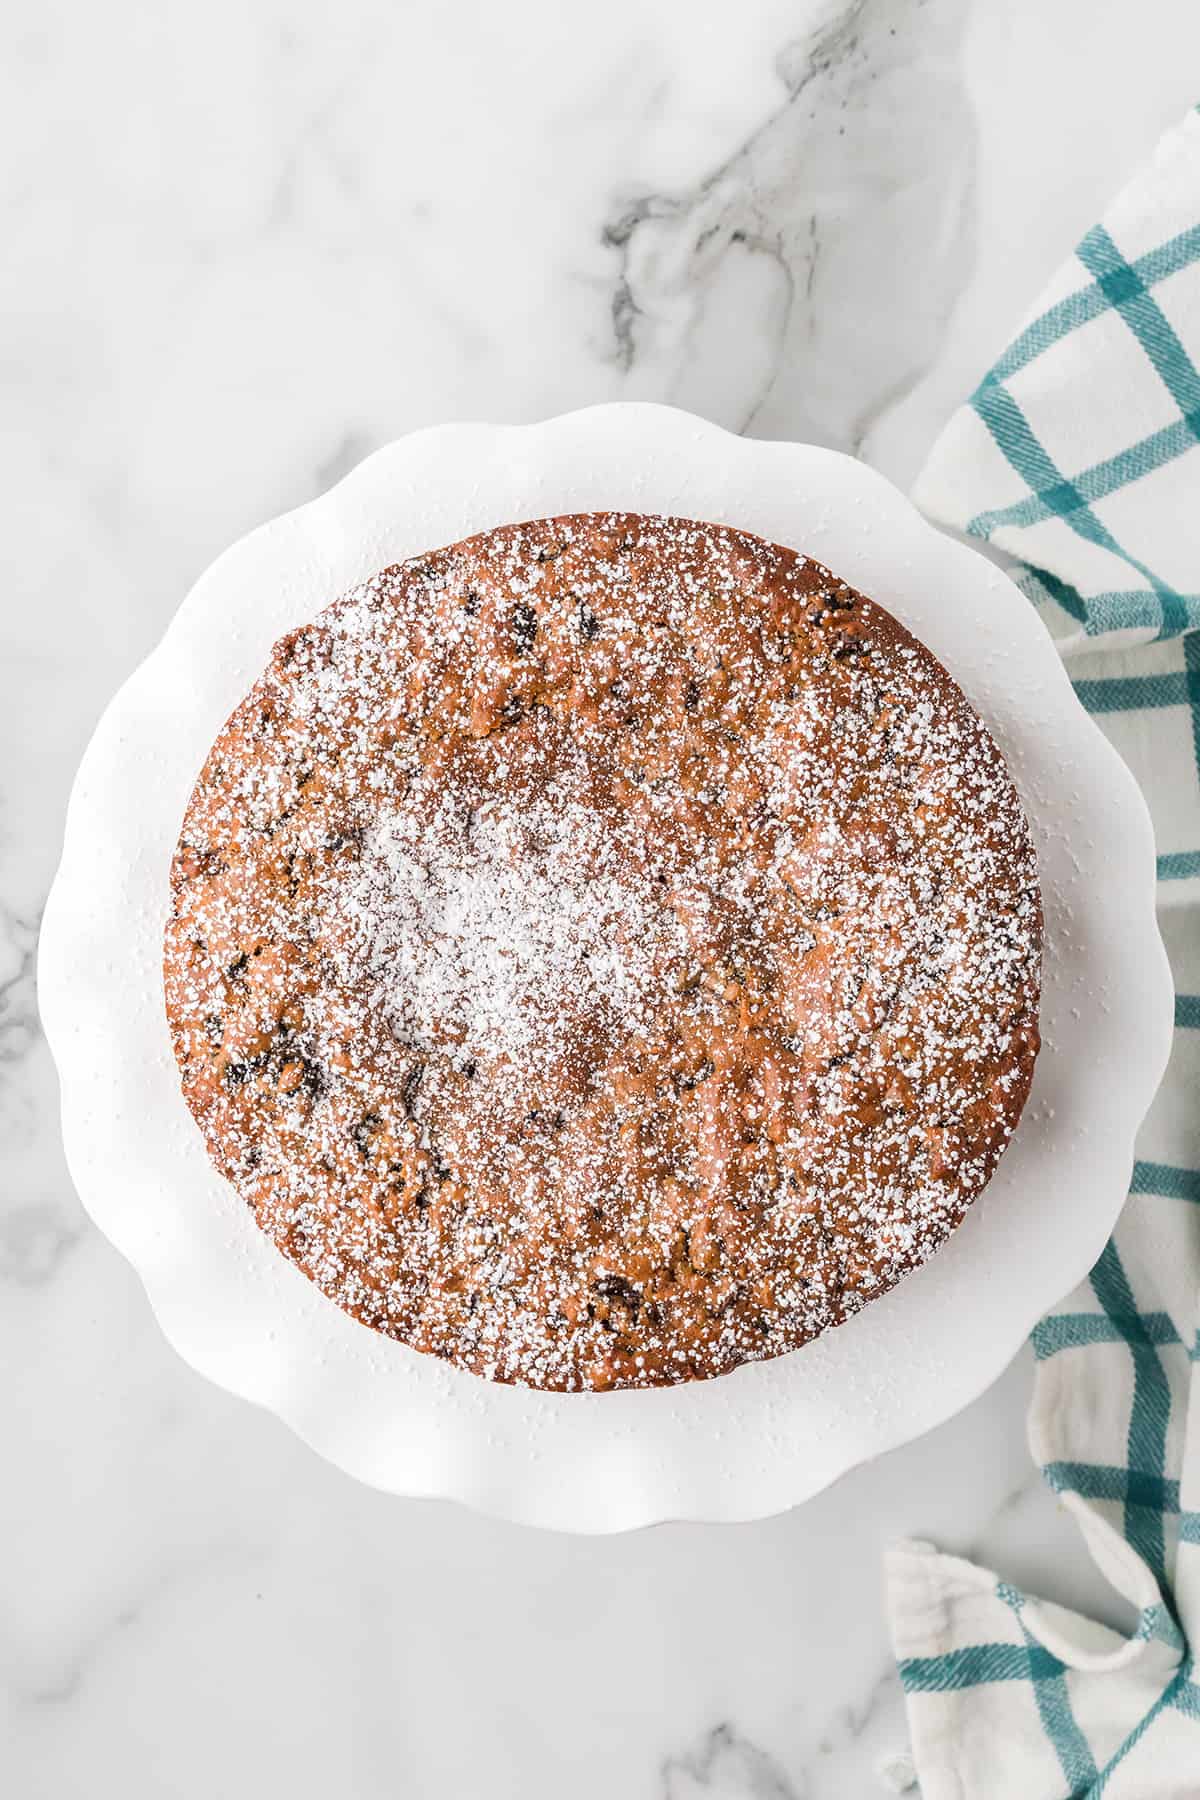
(605, 951)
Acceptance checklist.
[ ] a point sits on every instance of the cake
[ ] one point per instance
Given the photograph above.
(604, 952)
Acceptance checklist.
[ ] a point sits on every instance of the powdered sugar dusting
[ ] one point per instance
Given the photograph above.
(475, 927)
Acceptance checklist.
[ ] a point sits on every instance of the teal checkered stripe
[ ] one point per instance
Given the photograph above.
(1174, 690)
(1126, 289)
(1149, 1498)
(1145, 1497)
(1179, 865)
(1166, 1179)
(1079, 456)
(1141, 1486)
(978, 1664)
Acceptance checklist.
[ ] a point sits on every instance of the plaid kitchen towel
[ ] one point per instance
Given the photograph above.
(1079, 456)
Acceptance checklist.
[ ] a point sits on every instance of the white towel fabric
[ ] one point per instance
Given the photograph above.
(1079, 455)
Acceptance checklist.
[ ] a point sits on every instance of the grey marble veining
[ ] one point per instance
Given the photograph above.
(755, 295)
(245, 245)
(726, 1764)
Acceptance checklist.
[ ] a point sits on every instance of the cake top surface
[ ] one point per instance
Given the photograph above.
(605, 951)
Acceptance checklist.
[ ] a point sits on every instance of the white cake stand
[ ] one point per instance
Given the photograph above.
(766, 1436)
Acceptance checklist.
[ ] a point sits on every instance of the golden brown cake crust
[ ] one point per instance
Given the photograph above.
(605, 951)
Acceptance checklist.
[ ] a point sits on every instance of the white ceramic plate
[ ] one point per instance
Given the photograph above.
(766, 1436)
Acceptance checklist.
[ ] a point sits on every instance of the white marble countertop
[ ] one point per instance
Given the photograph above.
(245, 245)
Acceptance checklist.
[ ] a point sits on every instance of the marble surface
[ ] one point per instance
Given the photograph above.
(246, 243)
